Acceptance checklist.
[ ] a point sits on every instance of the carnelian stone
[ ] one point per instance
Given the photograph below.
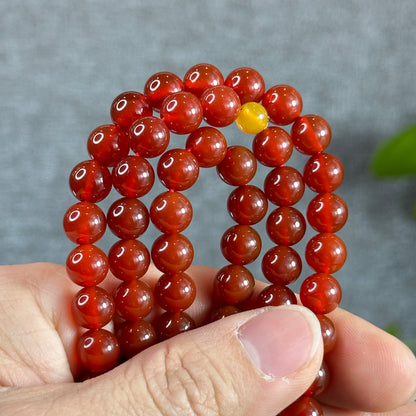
(321, 293)
(87, 265)
(326, 253)
(84, 223)
(304, 406)
(320, 383)
(329, 334)
(160, 85)
(202, 76)
(170, 324)
(275, 295)
(247, 83)
(223, 312)
(171, 212)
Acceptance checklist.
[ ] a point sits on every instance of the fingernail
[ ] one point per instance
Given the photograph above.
(281, 340)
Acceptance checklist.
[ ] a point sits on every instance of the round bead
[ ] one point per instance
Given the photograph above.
(281, 265)
(238, 167)
(128, 218)
(134, 300)
(128, 106)
(178, 169)
(323, 172)
(284, 186)
(286, 226)
(320, 383)
(171, 212)
(172, 253)
(241, 244)
(325, 253)
(202, 76)
(223, 312)
(327, 213)
(310, 134)
(329, 335)
(84, 223)
(275, 295)
(160, 85)
(149, 136)
(304, 406)
(233, 284)
(272, 146)
(98, 350)
(133, 176)
(247, 204)
(108, 144)
(175, 292)
(128, 259)
(182, 112)
(321, 293)
(170, 324)
(252, 118)
(87, 265)
(93, 307)
(247, 83)
(208, 145)
(220, 105)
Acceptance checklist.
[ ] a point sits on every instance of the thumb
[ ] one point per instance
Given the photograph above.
(255, 362)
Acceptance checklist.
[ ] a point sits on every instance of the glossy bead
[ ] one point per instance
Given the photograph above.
(84, 223)
(241, 244)
(323, 172)
(283, 103)
(247, 83)
(304, 406)
(128, 259)
(182, 112)
(320, 383)
(238, 167)
(172, 253)
(175, 292)
(284, 186)
(327, 213)
(272, 146)
(98, 350)
(93, 307)
(170, 324)
(310, 134)
(252, 118)
(275, 295)
(208, 145)
(233, 284)
(87, 265)
(223, 311)
(134, 337)
(247, 204)
(149, 136)
(281, 265)
(178, 169)
(160, 85)
(329, 335)
(321, 293)
(202, 76)
(220, 105)
(286, 226)
(171, 212)
(128, 106)
(325, 253)
(134, 300)
(133, 177)
(108, 144)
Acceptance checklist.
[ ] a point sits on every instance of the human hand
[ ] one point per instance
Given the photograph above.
(252, 363)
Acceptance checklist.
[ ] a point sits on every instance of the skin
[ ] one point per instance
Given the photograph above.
(371, 371)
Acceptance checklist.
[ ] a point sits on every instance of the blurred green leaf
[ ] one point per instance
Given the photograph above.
(397, 156)
(393, 329)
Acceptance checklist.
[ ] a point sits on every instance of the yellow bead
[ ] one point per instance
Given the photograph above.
(252, 118)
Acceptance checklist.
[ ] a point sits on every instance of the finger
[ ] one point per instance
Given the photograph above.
(406, 410)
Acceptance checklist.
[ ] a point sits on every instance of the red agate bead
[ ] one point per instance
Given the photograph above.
(87, 265)
(223, 312)
(170, 324)
(321, 293)
(160, 85)
(202, 76)
(325, 253)
(304, 406)
(329, 335)
(310, 134)
(171, 212)
(178, 169)
(320, 383)
(128, 106)
(238, 166)
(283, 104)
(272, 146)
(182, 112)
(208, 145)
(275, 295)
(247, 83)
(133, 176)
(84, 223)
(108, 144)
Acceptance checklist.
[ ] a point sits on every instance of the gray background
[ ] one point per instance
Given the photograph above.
(62, 63)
